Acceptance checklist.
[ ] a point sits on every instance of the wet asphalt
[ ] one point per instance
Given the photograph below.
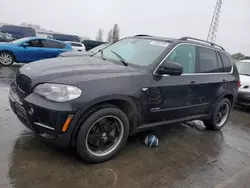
(188, 156)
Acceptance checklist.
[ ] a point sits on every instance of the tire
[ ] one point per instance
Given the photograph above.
(82, 143)
(212, 124)
(6, 58)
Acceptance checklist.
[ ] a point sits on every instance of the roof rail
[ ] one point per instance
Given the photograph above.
(142, 35)
(195, 39)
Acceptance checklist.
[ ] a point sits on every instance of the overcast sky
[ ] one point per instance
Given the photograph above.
(170, 18)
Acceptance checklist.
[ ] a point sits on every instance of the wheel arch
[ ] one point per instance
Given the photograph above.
(126, 104)
(229, 95)
(4, 50)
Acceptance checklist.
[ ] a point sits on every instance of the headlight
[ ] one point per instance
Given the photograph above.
(58, 92)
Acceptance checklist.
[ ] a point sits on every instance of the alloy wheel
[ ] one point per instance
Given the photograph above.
(222, 114)
(5, 59)
(104, 135)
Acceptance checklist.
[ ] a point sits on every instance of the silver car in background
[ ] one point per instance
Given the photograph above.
(244, 90)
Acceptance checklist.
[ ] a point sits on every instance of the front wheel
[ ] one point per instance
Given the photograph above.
(102, 135)
(220, 115)
(6, 58)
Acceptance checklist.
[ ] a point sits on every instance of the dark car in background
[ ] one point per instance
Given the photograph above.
(18, 32)
(94, 103)
(66, 37)
(4, 37)
(89, 44)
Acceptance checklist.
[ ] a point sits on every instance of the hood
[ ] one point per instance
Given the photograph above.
(74, 54)
(65, 67)
(244, 83)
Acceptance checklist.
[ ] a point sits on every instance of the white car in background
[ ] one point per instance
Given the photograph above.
(244, 89)
(77, 46)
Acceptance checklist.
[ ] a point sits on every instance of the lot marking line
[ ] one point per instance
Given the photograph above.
(233, 178)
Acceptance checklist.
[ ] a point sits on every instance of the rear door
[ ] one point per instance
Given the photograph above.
(52, 48)
(213, 79)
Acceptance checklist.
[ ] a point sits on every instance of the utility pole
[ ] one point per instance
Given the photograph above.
(215, 22)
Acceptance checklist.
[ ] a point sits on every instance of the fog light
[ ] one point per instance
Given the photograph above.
(30, 110)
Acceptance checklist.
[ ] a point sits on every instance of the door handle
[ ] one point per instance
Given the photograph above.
(224, 80)
(192, 82)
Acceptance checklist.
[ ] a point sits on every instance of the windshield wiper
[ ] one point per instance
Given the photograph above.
(97, 53)
(121, 58)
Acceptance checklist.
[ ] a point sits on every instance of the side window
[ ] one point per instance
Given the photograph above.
(185, 55)
(35, 43)
(207, 60)
(220, 64)
(52, 44)
(226, 62)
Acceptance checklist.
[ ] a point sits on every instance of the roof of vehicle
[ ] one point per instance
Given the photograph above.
(73, 42)
(41, 38)
(16, 26)
(189, 39)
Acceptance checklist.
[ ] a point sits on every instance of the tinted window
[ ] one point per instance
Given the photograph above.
(186, 56)
(220, 65)
(63, 37)
(35, 43)
(76, 44)
(226, 63)
(207, 60)
(52, 44)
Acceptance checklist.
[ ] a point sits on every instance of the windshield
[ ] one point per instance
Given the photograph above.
(243, 67)
(138, 51)
(19, 41)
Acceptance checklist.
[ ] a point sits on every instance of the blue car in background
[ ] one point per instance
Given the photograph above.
(30, 49)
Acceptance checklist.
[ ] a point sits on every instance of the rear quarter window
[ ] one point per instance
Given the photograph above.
(226, 63)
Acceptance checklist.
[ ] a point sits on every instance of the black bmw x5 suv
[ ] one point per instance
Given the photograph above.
(94, 103)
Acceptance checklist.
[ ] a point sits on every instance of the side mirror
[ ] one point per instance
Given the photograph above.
(170, 68)
(25, 45)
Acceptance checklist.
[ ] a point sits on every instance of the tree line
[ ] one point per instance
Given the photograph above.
(113, 34)
(240, 56)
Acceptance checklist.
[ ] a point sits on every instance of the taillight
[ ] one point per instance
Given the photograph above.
(238, 84)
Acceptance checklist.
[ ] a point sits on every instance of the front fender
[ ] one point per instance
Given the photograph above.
(88, 109)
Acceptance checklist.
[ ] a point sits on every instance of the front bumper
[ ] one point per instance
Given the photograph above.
(243, 98)
(43, 117)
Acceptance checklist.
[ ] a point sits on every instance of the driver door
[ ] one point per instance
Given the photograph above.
(30, 51)
(175, 97)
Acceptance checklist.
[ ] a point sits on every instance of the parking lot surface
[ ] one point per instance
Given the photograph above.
(188, 156)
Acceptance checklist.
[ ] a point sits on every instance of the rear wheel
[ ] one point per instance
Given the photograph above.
(220, 115)
(6, 58)
(102, 135)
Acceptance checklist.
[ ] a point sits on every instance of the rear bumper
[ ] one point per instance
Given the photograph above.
(46, 121)
(243, 99)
